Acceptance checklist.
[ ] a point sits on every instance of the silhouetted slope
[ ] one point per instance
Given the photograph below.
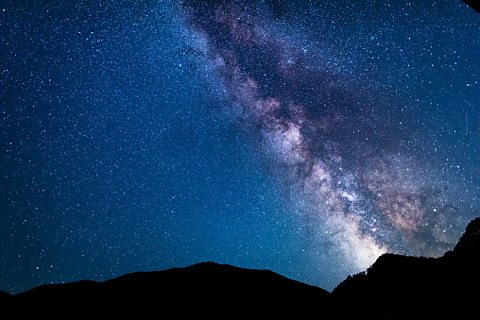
(205, 291)
(397, 287)
(469, 243)
(475, 4)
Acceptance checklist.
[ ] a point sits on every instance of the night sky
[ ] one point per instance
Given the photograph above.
(303, 137)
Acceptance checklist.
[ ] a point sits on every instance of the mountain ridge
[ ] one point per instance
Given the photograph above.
(394, 287)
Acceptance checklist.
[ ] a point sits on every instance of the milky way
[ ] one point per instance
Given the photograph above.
(303, 137)
(341, 143)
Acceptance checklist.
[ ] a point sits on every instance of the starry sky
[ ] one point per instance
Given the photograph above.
(306, 138)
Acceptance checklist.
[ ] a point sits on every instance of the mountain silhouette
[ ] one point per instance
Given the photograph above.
(394, 287)
(399, 287)
(202, 291)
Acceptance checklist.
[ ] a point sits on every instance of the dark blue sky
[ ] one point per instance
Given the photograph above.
(127, 140)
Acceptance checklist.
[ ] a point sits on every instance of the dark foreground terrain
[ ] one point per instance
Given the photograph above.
(394, 287)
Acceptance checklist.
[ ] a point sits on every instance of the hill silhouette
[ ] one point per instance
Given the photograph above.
(394, 287)
(397, 287)
(202, 291)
